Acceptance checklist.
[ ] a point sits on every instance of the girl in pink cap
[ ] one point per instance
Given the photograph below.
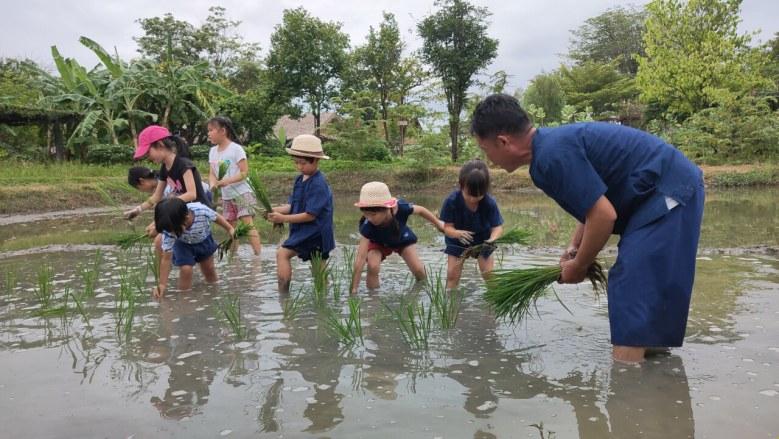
(383, 231)
(177, 171)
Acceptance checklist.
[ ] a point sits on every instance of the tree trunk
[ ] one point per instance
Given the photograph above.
(317, 112)
(402, 130)
(384, 115)
(133, 132)
(454, 131)
(165, 116)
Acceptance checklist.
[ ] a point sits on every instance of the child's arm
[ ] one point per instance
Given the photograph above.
(149, 203)
(283, 209)
(222, 222)
(278, 218)
(165, 263)
(465, 237)
(211, 175)
(359, 261)
(573, 247)
(426, 214)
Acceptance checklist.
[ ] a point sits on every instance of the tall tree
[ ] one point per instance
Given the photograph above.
(615, 35)
(600, 86)
(456, 45)
(306, 59)
(695, 56)
(381, 56)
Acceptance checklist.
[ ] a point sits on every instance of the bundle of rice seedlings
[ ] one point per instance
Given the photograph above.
(241, 230)
(261, 194)
(220, 174)
(512, 293)
(514, 236)
(228, 309)
(130, 240)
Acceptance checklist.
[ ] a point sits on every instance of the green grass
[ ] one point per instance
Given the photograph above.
(10, 280)
(291, 306)
(229, 311)
(414, 322)
(89, 273)
(446, 304)
(347, 330)
(320, 274)
(759, 177)
(126, 299)
(44, 289)
(129, 240)
(513, 294)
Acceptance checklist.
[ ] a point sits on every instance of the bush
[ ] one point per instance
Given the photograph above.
(109, 154)
(745, 130)
(269, 148)
(200, 152)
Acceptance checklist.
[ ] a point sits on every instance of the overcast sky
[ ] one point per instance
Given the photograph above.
(532, 34)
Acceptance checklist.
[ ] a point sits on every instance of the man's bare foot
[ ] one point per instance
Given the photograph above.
(628, 354)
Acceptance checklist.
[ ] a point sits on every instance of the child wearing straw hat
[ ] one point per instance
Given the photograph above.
(309, 210)
(384, 231)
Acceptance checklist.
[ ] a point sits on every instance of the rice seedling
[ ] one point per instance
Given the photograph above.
(512, 293)
(220, 174)
(261, 194)
(44, 290)
(241, 230)
(55, 311)
(107, 198)
(348, 330)
(126, 301)
(153, 265)
(229, 311)
(89, 273)
(348, 256)
(415, 323)
(445, 304)
(78, 300)
(291, 306)
(320, 273)
(10, 280)
(337, 282)
(514, 236)
(129, 240)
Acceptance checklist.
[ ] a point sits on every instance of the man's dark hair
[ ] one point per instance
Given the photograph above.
(169, 216)
(499, 114)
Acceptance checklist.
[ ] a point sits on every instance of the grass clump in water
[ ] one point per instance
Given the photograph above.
(414, 322)
(291, 306)
(320, 273)
(347, 330)
(89, 273)
(445, 304)
(229, 311)
(9, 280)
(512, 294)
(44, 290)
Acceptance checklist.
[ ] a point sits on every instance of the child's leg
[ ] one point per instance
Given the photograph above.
(158, 248)
(486, 265)
(185, 277)
(374, 266)
(284, 268)
(254, 234)
(409, 254)
(208, 269)
(454, 269)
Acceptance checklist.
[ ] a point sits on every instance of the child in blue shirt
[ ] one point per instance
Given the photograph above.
(471, 217)
(614, 180)
(187, 240)
(309, 211)
(384, 231)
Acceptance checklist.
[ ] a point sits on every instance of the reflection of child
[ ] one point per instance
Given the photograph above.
(384, 231)
(187, 240)
(309, 211)
(470, 217)
(237, 199)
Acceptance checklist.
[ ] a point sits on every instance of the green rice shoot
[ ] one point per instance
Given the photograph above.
(513, 294)
(44, 290)
(515, 236)
(130, 240)
(320, 274)
(348, 330)
(414, 322)
(229, 311)
(241, 230)
(220, 174)
(291, 306)
(446, 304)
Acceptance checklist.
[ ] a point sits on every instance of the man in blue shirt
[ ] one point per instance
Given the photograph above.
(613, 180)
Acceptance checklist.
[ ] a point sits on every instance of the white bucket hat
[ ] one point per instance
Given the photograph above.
(376, 194)
(306, 145)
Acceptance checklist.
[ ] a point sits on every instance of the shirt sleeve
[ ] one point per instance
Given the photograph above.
(317, 198)
(447, 211)
(167, 241)
(209, 213)
(568, 177)
(213, 160)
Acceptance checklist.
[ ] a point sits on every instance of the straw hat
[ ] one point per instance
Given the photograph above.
(306, 145)
(376, 194)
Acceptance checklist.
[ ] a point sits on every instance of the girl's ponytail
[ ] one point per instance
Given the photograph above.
(176, 143)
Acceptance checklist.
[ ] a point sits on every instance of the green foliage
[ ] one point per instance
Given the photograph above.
(357, 141)
(741, 130)
(614, 36)
(414, 322)
(306, 59)
(347, 330)
(695, 56)
(456, 45)
(109, 154)
(199, 152)
(228, 310)
(599, 86)
(545, 92)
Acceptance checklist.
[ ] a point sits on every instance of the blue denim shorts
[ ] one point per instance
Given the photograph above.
(190, 254)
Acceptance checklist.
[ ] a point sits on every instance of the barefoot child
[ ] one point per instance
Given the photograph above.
(470, 217)
(237, 198)
(309, 211)
(187, 240)
(384, 231)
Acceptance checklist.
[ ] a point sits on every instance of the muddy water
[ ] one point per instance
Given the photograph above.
(180, 371)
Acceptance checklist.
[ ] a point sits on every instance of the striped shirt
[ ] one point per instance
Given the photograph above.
(197, 232)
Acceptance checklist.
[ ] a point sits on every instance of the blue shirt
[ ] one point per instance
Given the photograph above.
(387, 235)
(197, 232)
(576, 164)
(312, 196)
(480, 222)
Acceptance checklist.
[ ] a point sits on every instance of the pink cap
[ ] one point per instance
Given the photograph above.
(149, 135)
